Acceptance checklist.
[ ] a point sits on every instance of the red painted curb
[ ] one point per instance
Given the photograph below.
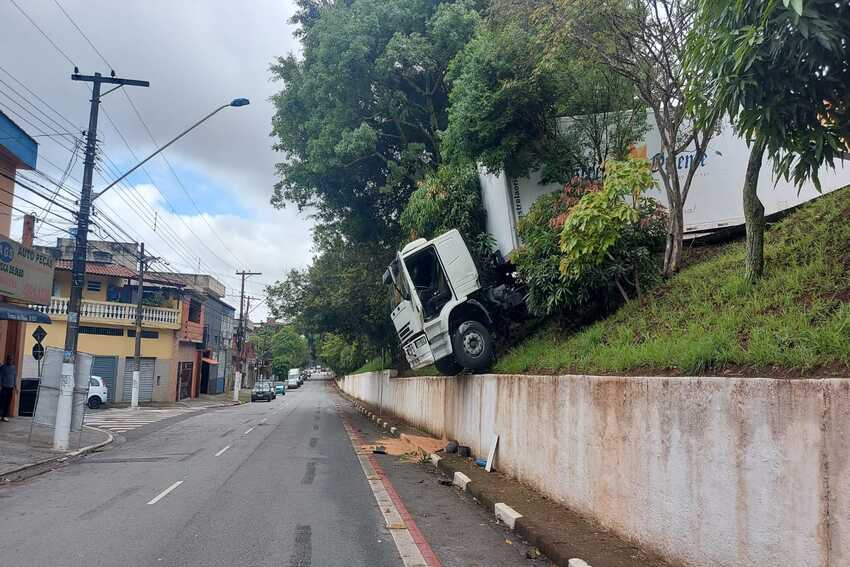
(428, 554)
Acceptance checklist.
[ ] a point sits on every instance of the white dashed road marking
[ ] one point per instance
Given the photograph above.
(164, 493)
(222, 451)
(248, 431)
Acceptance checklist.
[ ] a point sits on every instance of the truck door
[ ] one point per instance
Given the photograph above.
(406, 308)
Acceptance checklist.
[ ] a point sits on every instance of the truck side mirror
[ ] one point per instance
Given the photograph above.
(388, 278)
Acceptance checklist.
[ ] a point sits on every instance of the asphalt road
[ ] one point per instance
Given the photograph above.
(259, 484)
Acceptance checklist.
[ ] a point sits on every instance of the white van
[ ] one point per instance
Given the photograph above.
(293, 379)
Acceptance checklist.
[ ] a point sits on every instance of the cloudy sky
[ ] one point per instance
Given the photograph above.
(197, 55)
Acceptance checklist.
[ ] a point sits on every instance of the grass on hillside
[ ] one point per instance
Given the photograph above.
(707, 319)
(371, 366)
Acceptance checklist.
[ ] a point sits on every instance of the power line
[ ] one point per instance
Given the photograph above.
(28, 188)
(150, 134)
(70, 19)
(44, 33)
(44, 102)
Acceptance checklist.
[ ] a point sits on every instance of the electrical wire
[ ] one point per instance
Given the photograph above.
(44, 33)
(150, 134)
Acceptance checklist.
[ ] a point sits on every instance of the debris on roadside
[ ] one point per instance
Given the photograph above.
(533, 553)
(380, 450)
(451, 447)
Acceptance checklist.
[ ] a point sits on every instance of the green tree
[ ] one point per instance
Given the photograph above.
(642, 41)
(289, 350)
(341, 292)
(341, 355)
(513, 89)
(449, 198)
(781, 71)
(359, 115)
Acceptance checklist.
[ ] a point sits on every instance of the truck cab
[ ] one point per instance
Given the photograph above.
(440, 311)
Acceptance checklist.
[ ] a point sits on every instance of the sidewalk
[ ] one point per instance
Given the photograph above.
(18, 452)
(202, 401)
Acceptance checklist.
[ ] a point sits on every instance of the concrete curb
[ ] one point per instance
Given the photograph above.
(510, 517)
(59, 458)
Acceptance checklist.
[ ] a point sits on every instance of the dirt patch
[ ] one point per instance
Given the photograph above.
(841, 296)
(396, 447)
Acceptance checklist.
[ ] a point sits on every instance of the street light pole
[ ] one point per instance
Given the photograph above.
(234, 103)
(64, 405)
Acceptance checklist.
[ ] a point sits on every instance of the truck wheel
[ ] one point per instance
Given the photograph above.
(448, 366)
(473, 346)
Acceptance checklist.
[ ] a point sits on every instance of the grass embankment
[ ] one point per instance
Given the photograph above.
(708, 320)
(371, 366)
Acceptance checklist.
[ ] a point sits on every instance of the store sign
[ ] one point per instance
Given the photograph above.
(25, 274)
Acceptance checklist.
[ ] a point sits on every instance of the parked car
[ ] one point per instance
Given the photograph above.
(280, 388)
(262, 391)
(98, 392)
(293, 380)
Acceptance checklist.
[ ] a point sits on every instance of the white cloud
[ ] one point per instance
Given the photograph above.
(197, 55)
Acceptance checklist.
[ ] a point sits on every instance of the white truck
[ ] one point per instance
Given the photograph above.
(441, 311)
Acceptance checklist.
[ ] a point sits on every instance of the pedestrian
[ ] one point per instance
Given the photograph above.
(8, 379)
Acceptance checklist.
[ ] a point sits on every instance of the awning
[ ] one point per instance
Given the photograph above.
(209, 360)
(12, 312)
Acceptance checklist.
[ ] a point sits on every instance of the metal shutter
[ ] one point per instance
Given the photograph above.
(146, 372)
(107, 368)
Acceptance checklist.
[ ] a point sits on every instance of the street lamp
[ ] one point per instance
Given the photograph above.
(235, 103)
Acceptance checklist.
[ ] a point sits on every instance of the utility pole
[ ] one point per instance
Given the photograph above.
(143, 266)
(240, 335)
(64, 405)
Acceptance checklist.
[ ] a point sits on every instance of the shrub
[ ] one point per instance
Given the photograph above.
(589, 247)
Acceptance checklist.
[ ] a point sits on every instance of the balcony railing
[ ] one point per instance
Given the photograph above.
(114, 313)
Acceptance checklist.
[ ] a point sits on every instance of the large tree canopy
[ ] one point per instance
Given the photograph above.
(359, 115)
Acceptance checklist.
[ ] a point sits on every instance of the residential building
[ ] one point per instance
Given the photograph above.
(107, 327)
(203, 347)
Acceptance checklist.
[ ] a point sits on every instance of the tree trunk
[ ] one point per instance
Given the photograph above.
(754, 213)
(673, 251)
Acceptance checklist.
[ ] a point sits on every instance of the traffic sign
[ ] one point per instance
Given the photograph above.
(38, 351)
(39, 334)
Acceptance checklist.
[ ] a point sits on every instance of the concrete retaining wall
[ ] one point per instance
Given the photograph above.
(708, 471)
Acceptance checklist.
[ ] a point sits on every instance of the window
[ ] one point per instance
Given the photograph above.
(397, 284)
(194, 311)
(105, 331)
(429, 280)
(145, 334)
(101, 256)
(93, 285)
(94, 383)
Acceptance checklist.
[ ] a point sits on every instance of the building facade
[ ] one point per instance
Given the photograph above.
(107, 328)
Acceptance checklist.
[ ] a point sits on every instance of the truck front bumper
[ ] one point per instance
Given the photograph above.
(418, 352)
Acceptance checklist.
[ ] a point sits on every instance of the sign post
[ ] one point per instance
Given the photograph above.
(38, 348)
